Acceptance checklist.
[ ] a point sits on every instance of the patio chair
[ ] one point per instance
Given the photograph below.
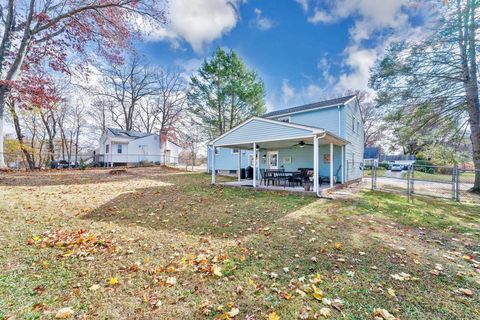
(278, 175)
(263, 176)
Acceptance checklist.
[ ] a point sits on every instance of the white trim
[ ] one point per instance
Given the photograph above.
(315, 164)
(313, 109)
(261, 141)
(254, 165)
(239, 164)
(331, 165)
(268, 159)
(286, 124)
(343, 164)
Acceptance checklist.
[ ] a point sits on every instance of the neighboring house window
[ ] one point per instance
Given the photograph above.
(284, 119)
(217, 151)
(107, 148)
(353, 124)
(119, 148)
(358, 126)
(235, 151)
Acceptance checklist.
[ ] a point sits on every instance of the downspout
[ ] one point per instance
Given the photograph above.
(318, 138)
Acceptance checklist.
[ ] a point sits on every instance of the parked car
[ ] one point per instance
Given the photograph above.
(396, 167)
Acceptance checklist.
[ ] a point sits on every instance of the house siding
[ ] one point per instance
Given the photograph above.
(354, 150)
(225, 160)
(322, 118)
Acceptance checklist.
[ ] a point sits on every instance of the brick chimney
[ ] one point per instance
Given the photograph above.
(163, 141)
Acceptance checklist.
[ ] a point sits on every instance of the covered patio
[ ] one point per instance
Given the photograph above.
(288, 148)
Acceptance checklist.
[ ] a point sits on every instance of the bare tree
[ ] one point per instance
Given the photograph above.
(161, 111)
(124, 86)
(30, 29)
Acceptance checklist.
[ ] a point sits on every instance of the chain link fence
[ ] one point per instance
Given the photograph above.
(427, 180)
(17, 160)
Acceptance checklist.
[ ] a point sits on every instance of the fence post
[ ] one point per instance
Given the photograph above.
(374, 172)
(412, 187)
(17, 161)
(408, 184)
(456, 183)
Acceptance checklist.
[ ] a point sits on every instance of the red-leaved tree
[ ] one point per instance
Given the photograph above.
(44, 34)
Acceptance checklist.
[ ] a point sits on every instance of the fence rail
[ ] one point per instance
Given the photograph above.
(435, 181)
(17, 160)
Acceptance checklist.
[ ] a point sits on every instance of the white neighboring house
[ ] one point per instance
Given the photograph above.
(122, 147)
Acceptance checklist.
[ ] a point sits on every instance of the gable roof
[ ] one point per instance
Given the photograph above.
(296, 130)
(128, 133)
(322, 104)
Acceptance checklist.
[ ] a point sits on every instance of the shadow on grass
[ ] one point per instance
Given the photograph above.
(193, 206)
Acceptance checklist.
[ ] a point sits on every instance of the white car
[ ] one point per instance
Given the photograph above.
(396, 167)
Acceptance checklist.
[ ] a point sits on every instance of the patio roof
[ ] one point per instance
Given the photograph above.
(268, 133)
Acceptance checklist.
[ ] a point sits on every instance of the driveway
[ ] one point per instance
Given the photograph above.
(393, 174)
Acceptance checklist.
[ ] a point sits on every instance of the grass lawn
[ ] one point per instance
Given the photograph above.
(160, 244)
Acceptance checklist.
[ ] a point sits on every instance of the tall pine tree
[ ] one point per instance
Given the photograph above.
(225, 93)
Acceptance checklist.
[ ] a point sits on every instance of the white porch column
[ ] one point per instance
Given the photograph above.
(254, 164)
(239, 163)
(213, 165)
(343, 164)
(315, 164)
(331, 165)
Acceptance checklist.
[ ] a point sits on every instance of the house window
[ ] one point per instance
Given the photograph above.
(217, 151)
(107, 148)
(250, 160)
(353, 125)
(235, 151)
(119, 148)
(284, 119)
(358, 126)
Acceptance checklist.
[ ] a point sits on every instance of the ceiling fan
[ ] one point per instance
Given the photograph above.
(302, 144)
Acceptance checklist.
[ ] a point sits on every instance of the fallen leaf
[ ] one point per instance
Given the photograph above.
(466, 292)
(234, 312)
(391, 292)
(171, 281)
(113, 281)
(95, 287)
(325, 312)
(383, 314)
(217, 271)
(273, 316)
(64, 313)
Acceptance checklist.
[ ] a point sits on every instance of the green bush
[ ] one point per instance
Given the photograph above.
(384, 165)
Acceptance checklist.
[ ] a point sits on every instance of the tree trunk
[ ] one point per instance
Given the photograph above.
(18, 131)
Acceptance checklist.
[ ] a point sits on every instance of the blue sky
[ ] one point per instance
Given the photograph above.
(304, 50)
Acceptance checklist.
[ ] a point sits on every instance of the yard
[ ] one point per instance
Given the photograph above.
(162, 244)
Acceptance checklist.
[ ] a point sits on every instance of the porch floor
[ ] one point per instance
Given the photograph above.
(249, 184)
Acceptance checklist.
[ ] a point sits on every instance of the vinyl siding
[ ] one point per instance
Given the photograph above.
(257, 130)
(354, 150)
(323, 118)
(225, 160)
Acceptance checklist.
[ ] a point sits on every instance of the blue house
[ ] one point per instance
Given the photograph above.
(326, 137)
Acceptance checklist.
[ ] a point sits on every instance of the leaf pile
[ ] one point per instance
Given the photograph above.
(79, 243)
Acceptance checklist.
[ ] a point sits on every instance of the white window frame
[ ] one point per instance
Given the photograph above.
(107, 148)
(353, 124)
(216, 151)
(119, 148)
(233, 150)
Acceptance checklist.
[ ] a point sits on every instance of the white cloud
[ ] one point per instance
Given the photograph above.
(303, 3)
(287, 92)
(261, 22)
(371, 19)
(197, 22)
(324, 66)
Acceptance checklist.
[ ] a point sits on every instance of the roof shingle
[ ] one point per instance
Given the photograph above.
(331, 102)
